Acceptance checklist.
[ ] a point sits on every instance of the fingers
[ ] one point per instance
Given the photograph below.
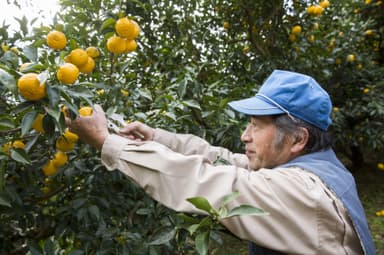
(137, 130)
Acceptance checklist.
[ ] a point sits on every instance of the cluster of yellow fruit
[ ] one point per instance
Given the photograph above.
(317, 10)
(78, 60)
(64, 144)
(295, 31)
(313, 10)
(380, 213)
(127, 31)
(15, 144)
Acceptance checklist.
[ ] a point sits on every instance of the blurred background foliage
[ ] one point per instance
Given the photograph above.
(192, 58)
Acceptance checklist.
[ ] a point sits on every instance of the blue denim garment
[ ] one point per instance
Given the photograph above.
(338, 179)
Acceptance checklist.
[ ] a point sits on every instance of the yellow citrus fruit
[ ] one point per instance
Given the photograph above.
(60, 159)
(30, 87)
(92, 51)
(292, 37)
(136, 29)
(125, 28)
(226, 25)
(311, 38)
(366, 91)
(78, 57)
(85, 111)
(88, 67)
(351, 58)
(124, 92)
(6, 147)
(116, 44)
(130, 45)
(324, 4)
(318, 10)
(49, 168)
(67, 73)
(64, 145)
(369, 32)
(296, 30)
(18, 144)
(368, 1)
(311, 10)
(64, 110)
(56, 40)
(70, 136)
(4, 47)
(380, 166)
(38, 123)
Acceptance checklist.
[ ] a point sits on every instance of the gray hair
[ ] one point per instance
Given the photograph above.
(287, 126)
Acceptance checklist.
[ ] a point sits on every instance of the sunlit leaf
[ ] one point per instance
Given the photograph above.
(243, 210)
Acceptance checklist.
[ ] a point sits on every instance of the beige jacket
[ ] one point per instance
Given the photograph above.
(304, 215)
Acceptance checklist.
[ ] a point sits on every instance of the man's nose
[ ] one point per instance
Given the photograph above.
(245, 137)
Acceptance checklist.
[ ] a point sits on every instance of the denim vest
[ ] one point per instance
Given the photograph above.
(332, 172)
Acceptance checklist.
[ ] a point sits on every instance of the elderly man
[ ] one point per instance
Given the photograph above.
(288, 169)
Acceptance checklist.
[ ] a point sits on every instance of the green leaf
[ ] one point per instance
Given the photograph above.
(229, 198)
(23, 107)
(4, 201)
(6, 123)
(7, 80)
(35, 249)
(202, 204)
(182, 88)
(193, 228)
(163, 236)
(20, 155)
(31, 53)
(43, 77)
(10, 57)
(53, 94)
(145, 93)
(108, 23)
(33, 68)
(49, 248)
(192, 104)
(94, 210)
(202, 242)
(187, 219)
(27, 122)
(243, 210)
(76, 252)
(54, 112)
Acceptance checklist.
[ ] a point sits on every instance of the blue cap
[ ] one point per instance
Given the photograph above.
(292, 93)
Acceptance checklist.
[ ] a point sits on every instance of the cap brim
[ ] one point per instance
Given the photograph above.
(255, 106)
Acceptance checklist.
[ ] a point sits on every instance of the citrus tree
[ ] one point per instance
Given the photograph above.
(171, 64)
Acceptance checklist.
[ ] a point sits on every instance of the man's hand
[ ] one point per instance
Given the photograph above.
(130, 131)
(93, 129)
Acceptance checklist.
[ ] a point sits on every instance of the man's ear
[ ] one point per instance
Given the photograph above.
(300, 141)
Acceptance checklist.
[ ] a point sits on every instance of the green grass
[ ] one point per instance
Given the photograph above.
(370, 184)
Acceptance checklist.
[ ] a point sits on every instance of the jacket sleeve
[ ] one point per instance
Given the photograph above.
(171, 177)
(193, 145)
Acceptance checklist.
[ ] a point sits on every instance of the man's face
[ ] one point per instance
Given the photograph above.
(260, 144)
